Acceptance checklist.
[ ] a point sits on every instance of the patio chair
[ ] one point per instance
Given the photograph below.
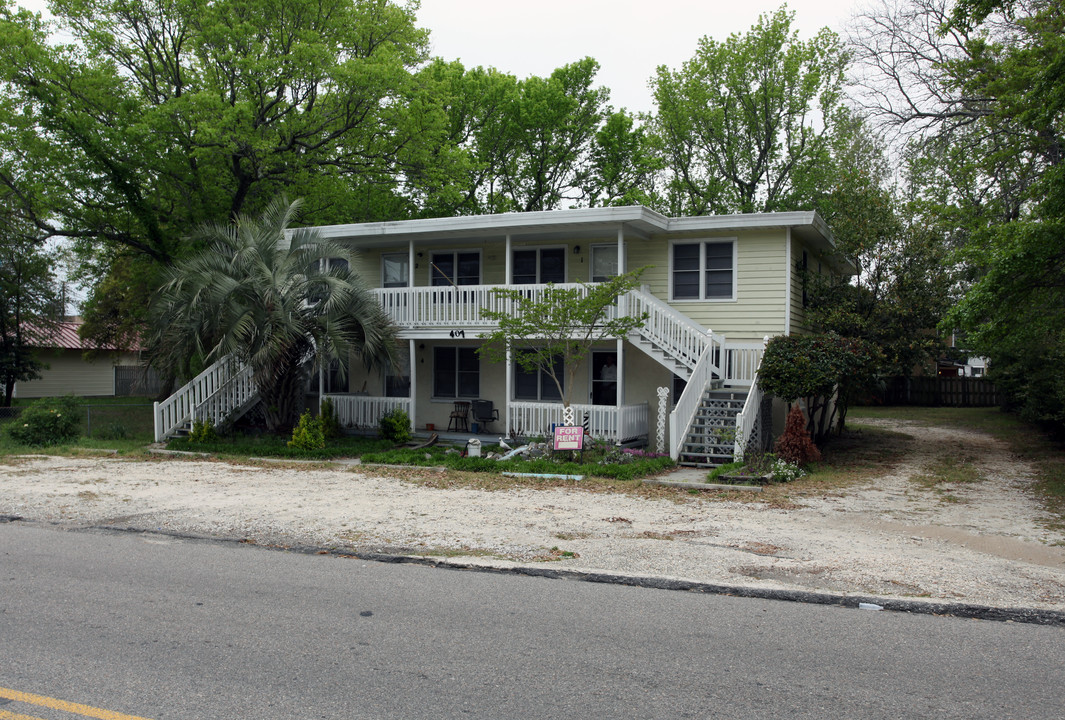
(484, 413)
(460, 417)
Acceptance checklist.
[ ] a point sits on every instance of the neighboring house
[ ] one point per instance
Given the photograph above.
(66, 370)
(717, 286)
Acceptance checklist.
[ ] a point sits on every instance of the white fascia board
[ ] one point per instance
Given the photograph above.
(516, 224)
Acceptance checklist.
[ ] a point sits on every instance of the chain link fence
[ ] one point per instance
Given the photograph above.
(106, 420)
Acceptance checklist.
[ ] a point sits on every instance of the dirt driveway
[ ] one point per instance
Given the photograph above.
(981, 540)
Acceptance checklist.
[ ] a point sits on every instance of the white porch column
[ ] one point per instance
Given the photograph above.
(509, 381)
(620, 399)
(623, 310)
(413, 370)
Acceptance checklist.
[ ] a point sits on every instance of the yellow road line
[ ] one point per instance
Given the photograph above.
(63, 705)
(5, 715)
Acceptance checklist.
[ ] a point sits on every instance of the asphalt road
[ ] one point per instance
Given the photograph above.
(161, 628)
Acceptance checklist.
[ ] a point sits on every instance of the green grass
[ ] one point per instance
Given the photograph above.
(122, 424)
(276, 446)
(634, 468)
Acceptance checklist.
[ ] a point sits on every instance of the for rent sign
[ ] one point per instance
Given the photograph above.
(569, 437)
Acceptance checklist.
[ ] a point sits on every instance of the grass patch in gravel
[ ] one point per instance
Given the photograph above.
(948, 470)
(1027, 443)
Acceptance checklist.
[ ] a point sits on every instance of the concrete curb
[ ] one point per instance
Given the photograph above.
(1034, 616)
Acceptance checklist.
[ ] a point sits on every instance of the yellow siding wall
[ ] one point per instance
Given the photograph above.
(758, 309)
(68, 373)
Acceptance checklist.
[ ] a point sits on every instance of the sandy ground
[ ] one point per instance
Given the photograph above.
(982, 542)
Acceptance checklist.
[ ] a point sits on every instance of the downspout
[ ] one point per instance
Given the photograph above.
(787, 282)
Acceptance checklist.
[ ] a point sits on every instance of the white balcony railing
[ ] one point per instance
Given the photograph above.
(451, 306)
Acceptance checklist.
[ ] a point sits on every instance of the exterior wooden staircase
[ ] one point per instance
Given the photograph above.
(711, 438)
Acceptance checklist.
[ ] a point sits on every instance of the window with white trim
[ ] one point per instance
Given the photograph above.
(395, 270)
(539, 265)
(703, 270)
(456, 372)
(604, 262)
(455, 268)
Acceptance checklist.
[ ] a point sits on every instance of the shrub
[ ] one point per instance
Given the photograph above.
(327, 416)
(795, 445)
(203, 432)
(395, 426)
(307, 435)
(48, 421)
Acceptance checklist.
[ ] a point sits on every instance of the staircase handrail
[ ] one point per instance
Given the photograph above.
(673, 331)
(234, 395)
(688, 402)
(177, 409)
(749, 416)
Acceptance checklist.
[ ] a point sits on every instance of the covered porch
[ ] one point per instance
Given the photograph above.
(618, 424)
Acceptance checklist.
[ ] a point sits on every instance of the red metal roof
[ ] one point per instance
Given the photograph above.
(64, 335)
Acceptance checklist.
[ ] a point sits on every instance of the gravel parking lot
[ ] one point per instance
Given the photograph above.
(985, 541)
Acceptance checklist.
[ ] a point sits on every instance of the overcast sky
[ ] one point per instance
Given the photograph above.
(629, 38)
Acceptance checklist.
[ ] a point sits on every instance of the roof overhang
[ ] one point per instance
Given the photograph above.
(584, 224)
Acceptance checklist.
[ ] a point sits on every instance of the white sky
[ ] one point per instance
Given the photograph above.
(629, 38)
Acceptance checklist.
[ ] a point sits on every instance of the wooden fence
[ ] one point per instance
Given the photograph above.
(941, 391)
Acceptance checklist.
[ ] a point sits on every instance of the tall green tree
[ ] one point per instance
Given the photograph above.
(741, 120)
(29, 306)
(279, 304)
(980, 94)
(132, 121)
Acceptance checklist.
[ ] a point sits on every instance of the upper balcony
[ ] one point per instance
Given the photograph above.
(450, 307)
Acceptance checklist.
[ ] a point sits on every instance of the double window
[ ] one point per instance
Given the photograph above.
(456, 372)
(538, 385)
(704, 270)
(455, 268)
(540, 265)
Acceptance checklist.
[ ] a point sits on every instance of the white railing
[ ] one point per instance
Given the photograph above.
(363, 411)
(688, 402)
(235, 395)
(749, 420)
(452, 306)
(610, 422)
(741, 362)
(177, 409)
(672, 331)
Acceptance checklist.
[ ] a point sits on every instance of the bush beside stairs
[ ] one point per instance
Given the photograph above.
(710, 440)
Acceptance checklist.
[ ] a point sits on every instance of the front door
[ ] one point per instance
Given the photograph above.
(604, 377)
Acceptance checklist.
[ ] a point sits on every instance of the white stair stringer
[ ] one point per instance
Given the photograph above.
(672, 339)
(220, 394)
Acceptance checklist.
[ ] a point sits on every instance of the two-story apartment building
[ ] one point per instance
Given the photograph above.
(715, 287)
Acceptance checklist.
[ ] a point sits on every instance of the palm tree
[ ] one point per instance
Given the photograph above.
(275, 299)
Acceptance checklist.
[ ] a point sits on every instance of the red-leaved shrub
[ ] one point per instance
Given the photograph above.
(795, 444)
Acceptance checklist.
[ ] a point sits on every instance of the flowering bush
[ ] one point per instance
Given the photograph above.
(48, 421)
(784, 471)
